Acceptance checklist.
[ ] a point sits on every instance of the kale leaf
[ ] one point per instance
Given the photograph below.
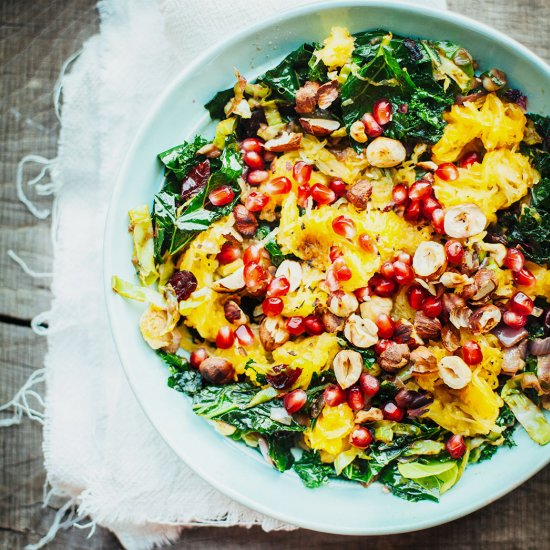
(216, 105)
(180, 159)
(406, 488)
(271, 245)
(182, 377)
(280, 445)
(312, 471)
(164, 218)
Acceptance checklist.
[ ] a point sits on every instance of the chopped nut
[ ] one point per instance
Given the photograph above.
(450, 338)
(362, 333)
(451, 279)
(512, 360)
(454, 372)
(494, 80)
(332, 322)
(319, 126)
(429, 260)
(470, 263)
(496, 251)
(427, 165)
(385, 152)
(292, 271)
(348, 366)
(306, 97)
(464, 220)
(403, 331)
(357, 132)
(375, 306)
(394, 357)
(426, 327)
(285, 142)
(543, 372)
(217, 370)
(210, 151)
(460, 317)
(342, 303)
(231, 283)
(485, 319)
(327, 94)
(359, 194)
(486, 282)
(451, 301)
(372, 415)
(245, 222)
(234, 314)
(423, 361)
(273, 332)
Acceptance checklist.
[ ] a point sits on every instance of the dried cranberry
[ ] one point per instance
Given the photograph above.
(283, 377)
(195, 180)
(184, 284)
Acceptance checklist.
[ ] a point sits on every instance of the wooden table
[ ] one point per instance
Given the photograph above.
(36, 37)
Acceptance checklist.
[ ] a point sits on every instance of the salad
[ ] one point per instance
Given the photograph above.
(350, 277)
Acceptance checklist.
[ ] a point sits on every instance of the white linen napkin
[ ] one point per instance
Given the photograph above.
(101, 453)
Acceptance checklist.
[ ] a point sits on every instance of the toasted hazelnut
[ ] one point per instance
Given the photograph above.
(394, 357)
(454, 372)
(245, 222)
(319, 126)
(494, 80)
(497, 251)
(375, 306)
(385, 152)
(362, 333)
(451, 279)
(485, 319)
(429, 260)
(357, 132)
(486, 282)
(342, 303)
(327, 94)
(292, 271)
(273, 332)
(359, 194)
(374, 414)
(450, 338)
(464, 220)
(427, 165)
(217, 370)
(426, 327)
(285, 142)
(332, 322)
(403, 331)
(423, 361)
(470, 263)
(306, 97)
(452, 301)
(234, 314)
(231, 283)
(209, 151)
(543, 372)
(348, 366)
(512, 360)
(460, 317)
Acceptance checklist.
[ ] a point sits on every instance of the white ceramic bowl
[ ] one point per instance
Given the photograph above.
(340, 507)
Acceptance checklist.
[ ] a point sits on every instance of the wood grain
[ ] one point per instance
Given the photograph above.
(36, 37)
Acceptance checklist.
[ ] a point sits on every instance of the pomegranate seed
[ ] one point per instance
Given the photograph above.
(382, 287)
(385, 325)
(468, 159)
(228, 253)
(455, 446)
(404, 273)
(454, 251)
(221, 195)
(256, 201)
(471, 353)
(272, 306)
(304, 192)
(279, 186)
(382, 345)
(334, 395)
(438, 219)
(252, 254)
(322, 194)
(256, 177)
(514, 260)
(344, 226)
(429, 204)
(382, 111)
(244, 335)
(404, 257)
(400, 194)
(294, 401)
(252, 144)
(254, 160)
(372, 128)
(412, 212)
(255, 278)
(392, 412)
(367, 244)
(295, 326)
(197, 357)
(355, 398)
(278, 287)
(513, 319)
(302, 172)
(362, 294)
(369, 384)
(334, 253)
(420, 190)
(447, 171)
(416, 296)
(360, 437)
(432, 306)
(339, 187)
(341, 271)
(313, 325)
(387, 270)
(225, 337)
(521, 303)
(524, 277)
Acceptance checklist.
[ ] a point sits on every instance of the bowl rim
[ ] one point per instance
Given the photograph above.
(446, 15)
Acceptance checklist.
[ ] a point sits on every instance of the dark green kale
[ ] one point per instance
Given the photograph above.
(180, 159)
(312, 471)
(182, 377)
(216, 105)
(280, 445)
(271, 245)
(406, 488)
(164, 218)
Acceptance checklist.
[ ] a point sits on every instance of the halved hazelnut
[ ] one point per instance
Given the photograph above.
(285, 142)
(375, 306)
(357, 132)
(460, 317)
(451, 279)
(485, 319)
(292, 271)
(210, 151)
(486, 282)
(385, 152)
(362, 333)
(342, 303)
(359, 194)
(394, 357)
(423, 361)
(452, 301)
(426, 327)
(306, 97)
(231, 283)
(403, 331)
(430, 259)
(273, 332)
(450, 338)
(374, 414)
(234, 314)
(332, 323)
(496, 251)
(217, 370)
(454, 372)
(427, 165)
(464, 220)
(245, 222)
(319, 127)
(327, 94)
(348, 366)
(494, 80)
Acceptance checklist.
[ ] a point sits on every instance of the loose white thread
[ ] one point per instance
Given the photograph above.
(38, 323)
(44, 189)
(23, 265)
(58, 87)
(20, 401)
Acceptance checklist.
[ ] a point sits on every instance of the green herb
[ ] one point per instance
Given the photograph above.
(312, 471)
(280, 445)
(180, 159)
(271, 245)
(182, 377)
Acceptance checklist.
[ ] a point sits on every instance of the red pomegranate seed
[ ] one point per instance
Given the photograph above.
(252, 144)
(361, 437)
(278, 186)
(412, 212)
(255, 278)
(253, 254)
(471, 353)
(400, 194)
(244, 335)
(372, 128)
(404, 257)
(304, 192)
(302, 172)
(334, 395)
(294, 401)
(383, 287)
(429, 204)
(334, 253)
(416, 296)
(382, 111)
(392, 412)
(385, 325)
(455, 446)
(197, 357)
(513, 319)
(454, 251)
(524, 277)
(432, 306)
(355, 398)
(369, 384)
(382, 345)
(255, 202)
(367, 244)
(420, 190)
(256, 177)
(341, 271)
(362, 294)
(313, 325)
(404, 273)
(295, 326)
(278, 287)
(254, 160)
(221, 195)
(438, 220)
(339, 187)
(468, 159)
(228, 253)
(272, 306)
(447, 171)
(225, 337)
(387, 270)
(521, 303)
(514, 260)
(344, 226)
(322, 194)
